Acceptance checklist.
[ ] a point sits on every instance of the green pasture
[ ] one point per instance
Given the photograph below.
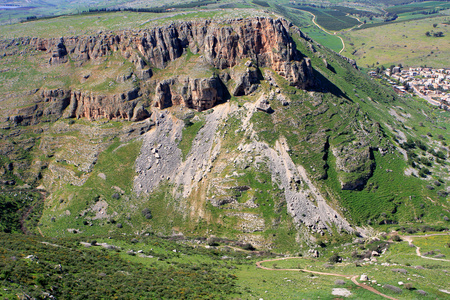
(403, 42)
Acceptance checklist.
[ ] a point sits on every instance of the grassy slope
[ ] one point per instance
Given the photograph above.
(385, 192)
(221, 272)
(403, 42)
(117, 164)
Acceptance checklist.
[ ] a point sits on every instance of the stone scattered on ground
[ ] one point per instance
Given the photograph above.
(341, 292)
(403, 271)
(421, 292)
(393, 288)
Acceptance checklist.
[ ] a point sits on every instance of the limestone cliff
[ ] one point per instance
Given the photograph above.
(257, 42)
(224, 44)
(57, 103)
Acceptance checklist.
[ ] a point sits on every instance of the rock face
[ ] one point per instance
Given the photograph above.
(259, 42)
(224, 44)
(59, 53)
(54, 104)
(199, 93)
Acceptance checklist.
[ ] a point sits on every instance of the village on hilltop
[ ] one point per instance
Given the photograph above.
(431, 84)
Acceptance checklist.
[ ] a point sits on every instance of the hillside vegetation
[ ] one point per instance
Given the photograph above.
(189, 154)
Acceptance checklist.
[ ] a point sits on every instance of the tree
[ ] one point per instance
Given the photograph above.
(335, 258)
(434, 25)
(427, 33)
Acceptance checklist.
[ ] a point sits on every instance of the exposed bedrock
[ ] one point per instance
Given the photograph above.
(224, 44)
(57, 103)
(198, 93)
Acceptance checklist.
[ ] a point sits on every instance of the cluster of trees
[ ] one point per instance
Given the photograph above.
(18, 208)
(147, 10)
(390, 17)
(434, 34)
(427, 12)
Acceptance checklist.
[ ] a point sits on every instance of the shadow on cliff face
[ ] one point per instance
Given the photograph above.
(325, 85)
(224, 94)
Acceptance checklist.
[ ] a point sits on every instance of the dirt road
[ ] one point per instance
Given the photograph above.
(353, 278)
(409, 239)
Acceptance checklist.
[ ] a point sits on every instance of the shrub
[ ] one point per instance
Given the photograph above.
(396, 238)
(248, 247)
(424, 172)
(213, 241)
(442, 193)
(411, 230)
(421, 145)
(147, 213)
(409, 286)
(335, 258)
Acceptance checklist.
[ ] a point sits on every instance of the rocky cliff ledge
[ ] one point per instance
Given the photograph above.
(57, 103)
(257, 42)
(225, 43)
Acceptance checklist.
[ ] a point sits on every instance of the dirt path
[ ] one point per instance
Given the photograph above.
(353, 278)
(409, 239)
(40, 232)
(323, 29)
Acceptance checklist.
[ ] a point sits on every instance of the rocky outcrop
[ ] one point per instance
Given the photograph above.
(199, 93)
(59, 53)
(224, 44)
(93, 106)
(246, 81)
(355, 166)
(51, 105)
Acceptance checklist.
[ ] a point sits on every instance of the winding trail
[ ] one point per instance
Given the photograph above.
(326, 31)
(409, 239)
(353, 278)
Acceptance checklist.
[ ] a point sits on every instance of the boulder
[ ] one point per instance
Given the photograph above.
(364, 277)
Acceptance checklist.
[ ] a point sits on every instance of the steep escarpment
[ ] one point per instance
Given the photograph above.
(54, 104)
(224, 44)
